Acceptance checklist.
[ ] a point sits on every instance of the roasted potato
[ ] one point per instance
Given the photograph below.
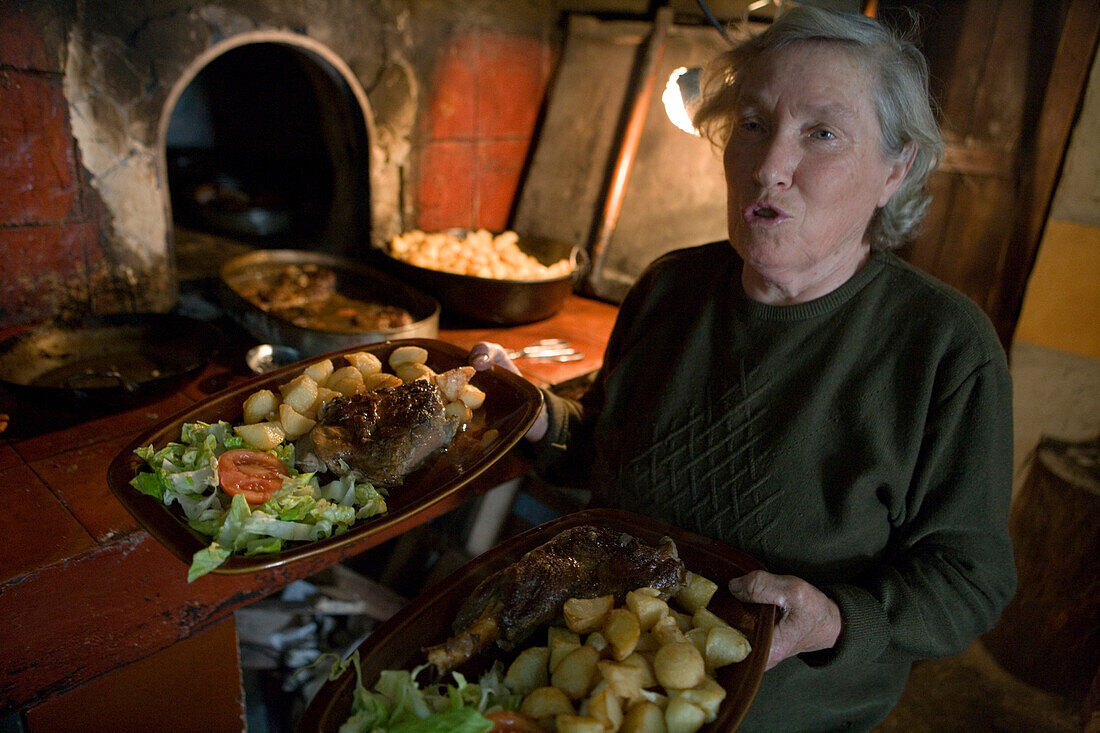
(666, 630)
(407, 355)
(299, 392)
(706, 619)
(725, 645)
(644, 666)
(561, 641)
(576, 673)
(458, 411)
(643, 717)
(683, 620)
(578, 724)
(261, 405)
(605, 706)
(262, 435)
(696, 593)
(319, 371)
(294, 423)
(472, 396)
(478, 253)
(585, 615)
(647, 643)
(347, 381)
(366, 362)
(412, 371)
(681, 716)
(698, 637)
(627, 681)
(453, 381)
(381, 380)
(622, 631)
(546, 702)
(602, 672)
(596, 640)
(529, 671)
(647, 606)
(679, 665)
(707, 696)
(324, 396)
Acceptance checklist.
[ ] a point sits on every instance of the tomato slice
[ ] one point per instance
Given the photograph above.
(513, 721)
(254, 474)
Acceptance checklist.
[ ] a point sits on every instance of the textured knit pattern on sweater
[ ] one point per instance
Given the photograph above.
(861, 441)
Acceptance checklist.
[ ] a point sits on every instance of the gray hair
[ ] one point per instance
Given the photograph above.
(901, 99)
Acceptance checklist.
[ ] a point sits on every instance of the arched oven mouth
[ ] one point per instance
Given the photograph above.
(266, 146)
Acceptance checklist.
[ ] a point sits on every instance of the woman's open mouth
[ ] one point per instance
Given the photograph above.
(763, 213)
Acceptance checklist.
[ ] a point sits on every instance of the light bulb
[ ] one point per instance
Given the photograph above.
(681, 98)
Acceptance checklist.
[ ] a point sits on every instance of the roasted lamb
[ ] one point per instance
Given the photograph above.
(581, 562)
(383, 435)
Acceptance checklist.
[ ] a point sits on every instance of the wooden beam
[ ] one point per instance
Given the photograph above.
(975, 161)
(638, 106)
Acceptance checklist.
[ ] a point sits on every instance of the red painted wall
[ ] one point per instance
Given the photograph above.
(48, 217)
(485, 99)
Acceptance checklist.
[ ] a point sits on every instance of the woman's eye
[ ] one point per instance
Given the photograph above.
(821, 134)
(750, 126)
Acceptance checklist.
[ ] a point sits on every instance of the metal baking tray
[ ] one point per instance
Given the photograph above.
(353, 280)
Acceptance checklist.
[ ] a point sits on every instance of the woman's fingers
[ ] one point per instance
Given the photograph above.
(485, 354)
(808, 619)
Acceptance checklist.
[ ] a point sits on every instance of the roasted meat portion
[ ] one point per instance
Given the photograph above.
(383, 435)
(581, 562)
(294, 286)
(307, 296)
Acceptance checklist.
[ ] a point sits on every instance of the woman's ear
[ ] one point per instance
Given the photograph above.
(899, 168)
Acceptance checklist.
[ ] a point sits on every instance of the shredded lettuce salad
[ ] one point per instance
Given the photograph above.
(186, 472)
(397, 704)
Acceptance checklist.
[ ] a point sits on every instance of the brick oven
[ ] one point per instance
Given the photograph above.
(357, 119)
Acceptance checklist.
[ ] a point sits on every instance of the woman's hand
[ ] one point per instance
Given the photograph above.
(484, 355)
(808, 619)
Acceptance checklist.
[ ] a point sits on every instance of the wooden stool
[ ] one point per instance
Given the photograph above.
(1049, 635)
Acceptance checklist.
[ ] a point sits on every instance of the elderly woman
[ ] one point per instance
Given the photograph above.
(806, 395)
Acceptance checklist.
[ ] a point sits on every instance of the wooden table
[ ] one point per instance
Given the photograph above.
(98, 616)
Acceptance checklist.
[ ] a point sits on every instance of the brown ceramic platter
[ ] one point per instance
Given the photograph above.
(398, 642)
(511, 405)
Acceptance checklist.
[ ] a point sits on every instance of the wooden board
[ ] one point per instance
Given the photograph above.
(577, 136)
(675, 194)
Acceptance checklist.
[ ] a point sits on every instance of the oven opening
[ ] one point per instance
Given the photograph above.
(266, 148)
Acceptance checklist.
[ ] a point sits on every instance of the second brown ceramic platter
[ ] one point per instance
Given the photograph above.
(398, 643)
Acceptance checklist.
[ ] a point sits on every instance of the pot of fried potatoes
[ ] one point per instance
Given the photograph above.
(502, 278)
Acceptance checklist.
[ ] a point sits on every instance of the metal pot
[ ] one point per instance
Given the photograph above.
(107, 358)
(489, 300)
(353, 280)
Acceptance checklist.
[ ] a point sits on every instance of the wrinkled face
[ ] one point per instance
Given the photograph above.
(805, 169)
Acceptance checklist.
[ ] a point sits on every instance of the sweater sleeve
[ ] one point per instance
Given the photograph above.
(949, 570)
(565, 456)
(565, 417)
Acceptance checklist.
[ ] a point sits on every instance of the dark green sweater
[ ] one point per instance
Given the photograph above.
(861, 441)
